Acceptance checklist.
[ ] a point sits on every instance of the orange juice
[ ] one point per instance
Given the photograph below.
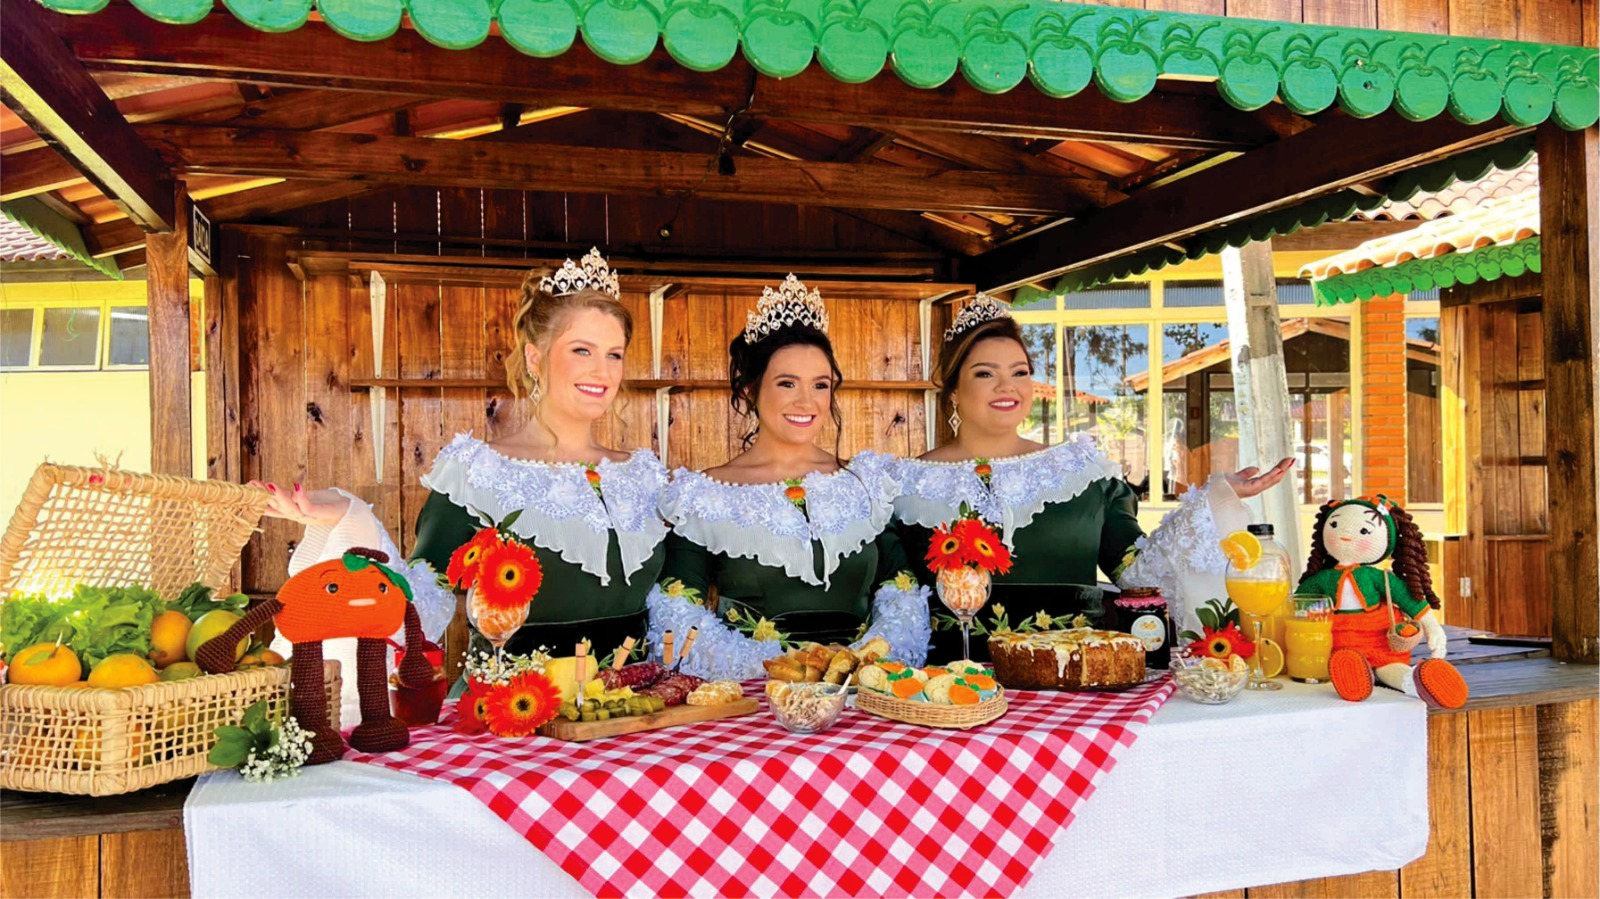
(1308, 643)
(1258, 597)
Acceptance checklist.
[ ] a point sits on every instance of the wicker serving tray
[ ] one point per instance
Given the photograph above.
(928, 714)
(113, 528)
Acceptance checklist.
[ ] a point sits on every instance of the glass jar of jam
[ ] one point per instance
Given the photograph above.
(1142, 612)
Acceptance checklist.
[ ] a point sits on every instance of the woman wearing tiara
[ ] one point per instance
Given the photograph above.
(1064, 510)
(791, 537)
(589, 512)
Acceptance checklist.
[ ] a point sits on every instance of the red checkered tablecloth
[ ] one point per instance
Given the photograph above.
(740, 807)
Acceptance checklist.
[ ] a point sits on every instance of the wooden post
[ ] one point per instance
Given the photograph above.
(1260, 387)
(167, 293)
(1571, 273)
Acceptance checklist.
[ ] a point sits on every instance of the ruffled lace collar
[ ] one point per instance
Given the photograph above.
(561, 511)
(843, 510)
(1019, 486)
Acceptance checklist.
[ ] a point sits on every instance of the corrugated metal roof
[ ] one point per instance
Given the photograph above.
(1458, 198)
(1497, 222)
(19, 244)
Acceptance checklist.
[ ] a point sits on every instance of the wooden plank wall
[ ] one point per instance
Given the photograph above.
(1494, 332)
(300, 343)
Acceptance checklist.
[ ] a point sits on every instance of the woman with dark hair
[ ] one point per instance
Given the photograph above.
(1065, 510)
(791, 537)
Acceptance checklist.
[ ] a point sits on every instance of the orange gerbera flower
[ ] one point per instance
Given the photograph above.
(795, 492)
(465, 561)
(510, 576)
(983, 546)
(983, 470)
(946, 550)
(472, 709)
(592, 474)
(1224, 643)
(517, 708)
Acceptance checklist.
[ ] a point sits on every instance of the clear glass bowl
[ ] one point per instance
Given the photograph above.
(1207, 685)
(805, 708)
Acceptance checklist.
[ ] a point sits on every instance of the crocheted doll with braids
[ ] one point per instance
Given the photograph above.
(358, 596)
(1350, 538)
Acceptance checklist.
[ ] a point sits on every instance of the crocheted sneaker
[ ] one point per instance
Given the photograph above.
(1440, 685)
(1351, 675)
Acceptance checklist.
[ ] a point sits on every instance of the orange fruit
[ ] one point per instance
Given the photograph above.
(1242, 549)
(1271, 657)
(46, 664)
(123, 670)
(168, 634)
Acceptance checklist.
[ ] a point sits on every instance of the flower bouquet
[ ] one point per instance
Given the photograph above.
(501, 575)
(964, 555)
(507, 695)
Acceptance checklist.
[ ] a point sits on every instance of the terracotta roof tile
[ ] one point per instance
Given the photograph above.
(18, 244)
(1458, 197)
(1499, 221)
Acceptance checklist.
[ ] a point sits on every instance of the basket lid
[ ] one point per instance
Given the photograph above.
(114, 528)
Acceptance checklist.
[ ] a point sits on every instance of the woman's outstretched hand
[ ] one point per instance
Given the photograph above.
(1252, 481)
(307, 507)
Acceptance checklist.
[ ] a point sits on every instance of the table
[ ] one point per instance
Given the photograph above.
(351, 829)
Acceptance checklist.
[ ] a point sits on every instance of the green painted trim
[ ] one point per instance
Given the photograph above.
(995, 44)
(1485, 264)
(51, 227)
(1335, 207)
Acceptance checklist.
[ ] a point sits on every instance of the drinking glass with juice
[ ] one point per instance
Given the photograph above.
(1308, 639)
(1258, 583)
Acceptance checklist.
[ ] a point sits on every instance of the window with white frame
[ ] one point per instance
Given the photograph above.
(74, 336)
(1110, 347)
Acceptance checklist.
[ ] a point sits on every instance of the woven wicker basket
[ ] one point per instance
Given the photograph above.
(112, 528)
(929, 714)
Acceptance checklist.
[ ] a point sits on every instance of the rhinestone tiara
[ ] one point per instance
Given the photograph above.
(982, 308)
(590, 272)
(791, 304)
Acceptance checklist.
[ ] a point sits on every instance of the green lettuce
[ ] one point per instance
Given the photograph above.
(196, 600)
(95, 622)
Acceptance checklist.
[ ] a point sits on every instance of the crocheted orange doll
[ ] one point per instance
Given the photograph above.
(358, 596)
(1379, 615)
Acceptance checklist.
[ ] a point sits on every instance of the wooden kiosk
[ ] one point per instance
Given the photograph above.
(363, 185)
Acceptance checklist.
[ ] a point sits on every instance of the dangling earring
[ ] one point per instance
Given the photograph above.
(535, 393)
(955, 419)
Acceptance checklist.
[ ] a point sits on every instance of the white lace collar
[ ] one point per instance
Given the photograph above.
(561, 511)
(844, 510)
(1019, 486)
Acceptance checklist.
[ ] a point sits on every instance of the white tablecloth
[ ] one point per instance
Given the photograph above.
(1266, 789)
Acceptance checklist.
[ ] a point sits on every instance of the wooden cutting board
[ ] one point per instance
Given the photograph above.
(582, 731)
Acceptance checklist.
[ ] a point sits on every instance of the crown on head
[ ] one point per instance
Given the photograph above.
(982, 308)
(590, 272)
(790, 304)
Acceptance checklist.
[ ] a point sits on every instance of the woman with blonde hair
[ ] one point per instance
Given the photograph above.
(588, 511)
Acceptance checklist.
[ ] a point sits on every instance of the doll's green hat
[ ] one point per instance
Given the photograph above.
(1380, 504)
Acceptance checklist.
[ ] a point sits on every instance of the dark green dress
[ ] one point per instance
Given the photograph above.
(816, 571)
(600, 551)
(1068, 517)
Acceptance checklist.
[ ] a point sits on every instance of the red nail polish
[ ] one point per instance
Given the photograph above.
(297, 487)
(272, 488)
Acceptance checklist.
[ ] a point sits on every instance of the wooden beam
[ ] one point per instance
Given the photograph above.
(1317, 161)
(35, 172)
(491, 164)
(61, 102)
(220, 47)
(1338, 236)
(167, 295)
(1255, 348)
(1569, 225)
(307, 110)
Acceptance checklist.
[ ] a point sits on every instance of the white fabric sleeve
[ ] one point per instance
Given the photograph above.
(435, 602)
(1182, 556)
(720, 652)
(901, 616)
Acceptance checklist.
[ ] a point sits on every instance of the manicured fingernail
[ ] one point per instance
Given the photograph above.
(297, 487)
(272, 488)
